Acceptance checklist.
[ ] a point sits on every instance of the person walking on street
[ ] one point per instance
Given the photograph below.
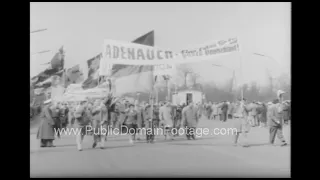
(166, 119)
(250, 117)
(64, 111)
(241, 122)
(220, 111)
(275, 120)
(99, 124)
(46, 129)
(177, 120)
(190, 120)
(82, 120)
(209, 109)
(224, 109)
(139, 111)
(254, 114)
(131, 123)
(122, 114)
(149, 125)
(214, 111)
(264, 112)
(230, 109)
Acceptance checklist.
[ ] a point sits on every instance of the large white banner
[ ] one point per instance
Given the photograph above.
(117, 52)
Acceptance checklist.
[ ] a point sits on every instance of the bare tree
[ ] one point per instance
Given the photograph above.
(185, 70)
(194, 78)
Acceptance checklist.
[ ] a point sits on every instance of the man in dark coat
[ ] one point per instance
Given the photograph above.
(64, 115)
(149, 123)
(46, 128)
(55, 114)
(131, 121)
(230, 110)
(262, 114)
(177, 119)
(224, 109)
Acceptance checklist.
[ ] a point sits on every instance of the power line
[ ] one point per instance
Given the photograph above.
(41, 52)
(39, 30)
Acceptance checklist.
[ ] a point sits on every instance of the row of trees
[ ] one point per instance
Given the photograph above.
(187, 78)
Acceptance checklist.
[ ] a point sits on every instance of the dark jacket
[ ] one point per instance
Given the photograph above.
(82, 116)
(131, 117)
(262, 113)
(64, 115)
(224, 107)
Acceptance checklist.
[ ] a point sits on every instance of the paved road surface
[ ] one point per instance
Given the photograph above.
(208, 156)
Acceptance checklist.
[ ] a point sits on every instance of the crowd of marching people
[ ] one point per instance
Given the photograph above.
(113, 113)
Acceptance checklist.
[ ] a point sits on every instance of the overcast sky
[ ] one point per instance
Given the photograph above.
(263, 28)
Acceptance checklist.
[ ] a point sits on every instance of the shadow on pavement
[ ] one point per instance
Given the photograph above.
(50, 150)
(208, 144)
(259, 144)
(66, 145)
(116, 147)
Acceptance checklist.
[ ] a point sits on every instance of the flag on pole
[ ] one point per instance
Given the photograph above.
(93, 66)
(134, 78)
(74, 75)
(56, 65)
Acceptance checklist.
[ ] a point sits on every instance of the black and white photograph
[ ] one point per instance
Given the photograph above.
(160, 89)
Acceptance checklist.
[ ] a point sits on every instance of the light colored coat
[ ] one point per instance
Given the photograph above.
(215, 109)
(46, 130)
(165, 115)
(99, 118)
(190, 117)
(240, 115)
(253, 109)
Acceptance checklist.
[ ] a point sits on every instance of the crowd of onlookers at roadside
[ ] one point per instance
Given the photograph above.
(257, 116)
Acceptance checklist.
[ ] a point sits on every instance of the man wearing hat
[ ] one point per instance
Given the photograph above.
(46, 128)
(280, 95)
(275, 119)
